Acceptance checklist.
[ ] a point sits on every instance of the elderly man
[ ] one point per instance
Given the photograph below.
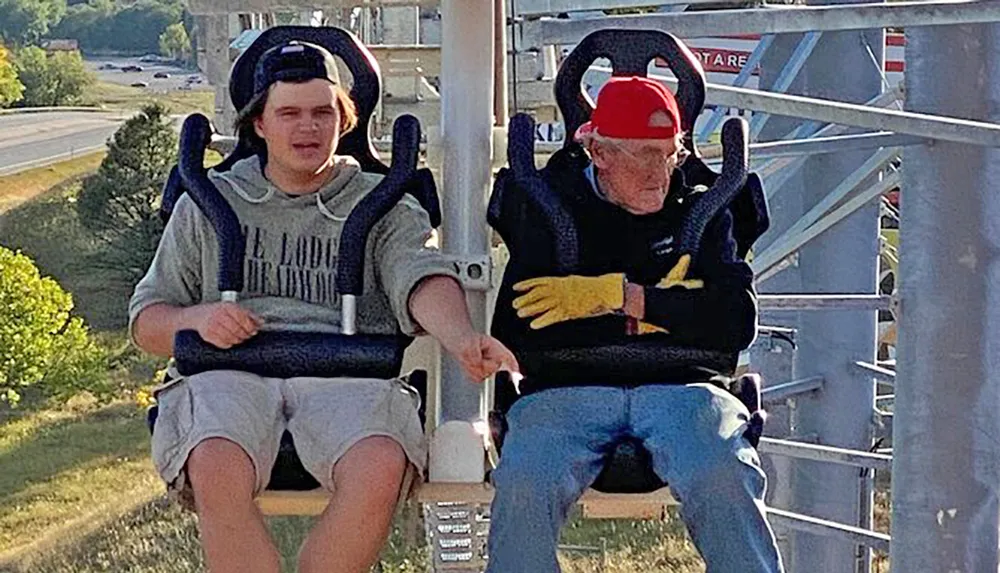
(628, 200)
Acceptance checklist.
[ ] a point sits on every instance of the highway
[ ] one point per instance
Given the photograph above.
(34, 139)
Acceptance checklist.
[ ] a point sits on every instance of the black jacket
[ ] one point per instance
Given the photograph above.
(707, 327)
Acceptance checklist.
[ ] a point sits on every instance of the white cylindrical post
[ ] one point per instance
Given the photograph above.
(466, 140)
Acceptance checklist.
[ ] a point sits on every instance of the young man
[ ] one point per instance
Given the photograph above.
(218, 433)
(628, 201)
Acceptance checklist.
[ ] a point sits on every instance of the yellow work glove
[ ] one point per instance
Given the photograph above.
(647, 328)
(676, 276)
(556, 299)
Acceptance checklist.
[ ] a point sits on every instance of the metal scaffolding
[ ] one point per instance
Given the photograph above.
(823, 180)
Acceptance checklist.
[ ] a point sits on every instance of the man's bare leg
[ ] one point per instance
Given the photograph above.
(232, 528)
(350, 533)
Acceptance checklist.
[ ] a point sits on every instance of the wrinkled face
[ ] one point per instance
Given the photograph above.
(301, 126)
(635, 173)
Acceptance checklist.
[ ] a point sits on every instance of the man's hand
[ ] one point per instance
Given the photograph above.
(558, 299)
(224, 324)
(481, 356)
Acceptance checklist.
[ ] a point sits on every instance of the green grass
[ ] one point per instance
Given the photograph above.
(48, 230)
(119, 97)
(21, 187)
(66, 472)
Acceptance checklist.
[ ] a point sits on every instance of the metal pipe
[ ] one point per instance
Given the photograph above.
(884, 375)
(779, 249)
(821, 453)
(500, 105)
(832, 144)
(773, 20)
(787, 76)
(466, 136)
(751, 65)
(858, 115)
(823, 527)
(782, 392)
(824, 301)
(857, 202)
(777, 171)
(946, 436)
(348, 314)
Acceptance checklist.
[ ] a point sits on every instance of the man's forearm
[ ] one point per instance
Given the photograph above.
(719, 318)
(438, 305)
(156, 325)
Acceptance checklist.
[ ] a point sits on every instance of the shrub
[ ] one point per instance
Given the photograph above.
(41, 343)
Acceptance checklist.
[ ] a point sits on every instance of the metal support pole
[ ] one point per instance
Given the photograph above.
(500, 105)
(787, 76)
(774, 20)
(835, 532)
(828, 109)
(784, 213)
(946, 440)
(782, 392)
(819, 145)
(824, 302)
(841, 260)
(806, 451)
(466, 131)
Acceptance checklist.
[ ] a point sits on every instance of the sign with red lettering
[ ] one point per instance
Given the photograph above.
(718, 60)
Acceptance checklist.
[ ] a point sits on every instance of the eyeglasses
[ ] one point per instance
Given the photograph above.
(649, 157)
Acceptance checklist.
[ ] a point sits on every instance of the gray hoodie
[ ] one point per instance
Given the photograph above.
(291, 254)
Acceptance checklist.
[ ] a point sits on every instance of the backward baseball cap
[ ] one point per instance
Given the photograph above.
(293, 61)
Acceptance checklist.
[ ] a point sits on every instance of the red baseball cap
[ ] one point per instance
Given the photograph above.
(625, 105)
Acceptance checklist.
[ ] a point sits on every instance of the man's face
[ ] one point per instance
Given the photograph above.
(301, 125)
(636, 172)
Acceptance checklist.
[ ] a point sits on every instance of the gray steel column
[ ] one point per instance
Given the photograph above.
(777, 368)
(466, 132)
(842, 260)
(946, 440)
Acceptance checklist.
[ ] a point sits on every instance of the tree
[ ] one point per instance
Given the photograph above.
(88, 23)
(119, 203)
(24, 22)
(11, 88)
(52, 79)
(41, 342)
(138, 26)
(175, 43)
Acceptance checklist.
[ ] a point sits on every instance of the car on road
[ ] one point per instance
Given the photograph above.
(107, 66)
(132, 68)
(161, 75)
(140, 84)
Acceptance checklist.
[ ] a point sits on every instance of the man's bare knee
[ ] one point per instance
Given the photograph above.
(221, 473)
(375, 465)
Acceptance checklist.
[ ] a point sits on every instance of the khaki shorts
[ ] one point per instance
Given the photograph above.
(326, 416)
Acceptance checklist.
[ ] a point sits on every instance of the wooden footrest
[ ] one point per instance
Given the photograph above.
(595, 504)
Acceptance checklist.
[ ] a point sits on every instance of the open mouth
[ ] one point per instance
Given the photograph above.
(305, 146)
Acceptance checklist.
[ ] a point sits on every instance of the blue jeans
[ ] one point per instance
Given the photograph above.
(554, 449)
